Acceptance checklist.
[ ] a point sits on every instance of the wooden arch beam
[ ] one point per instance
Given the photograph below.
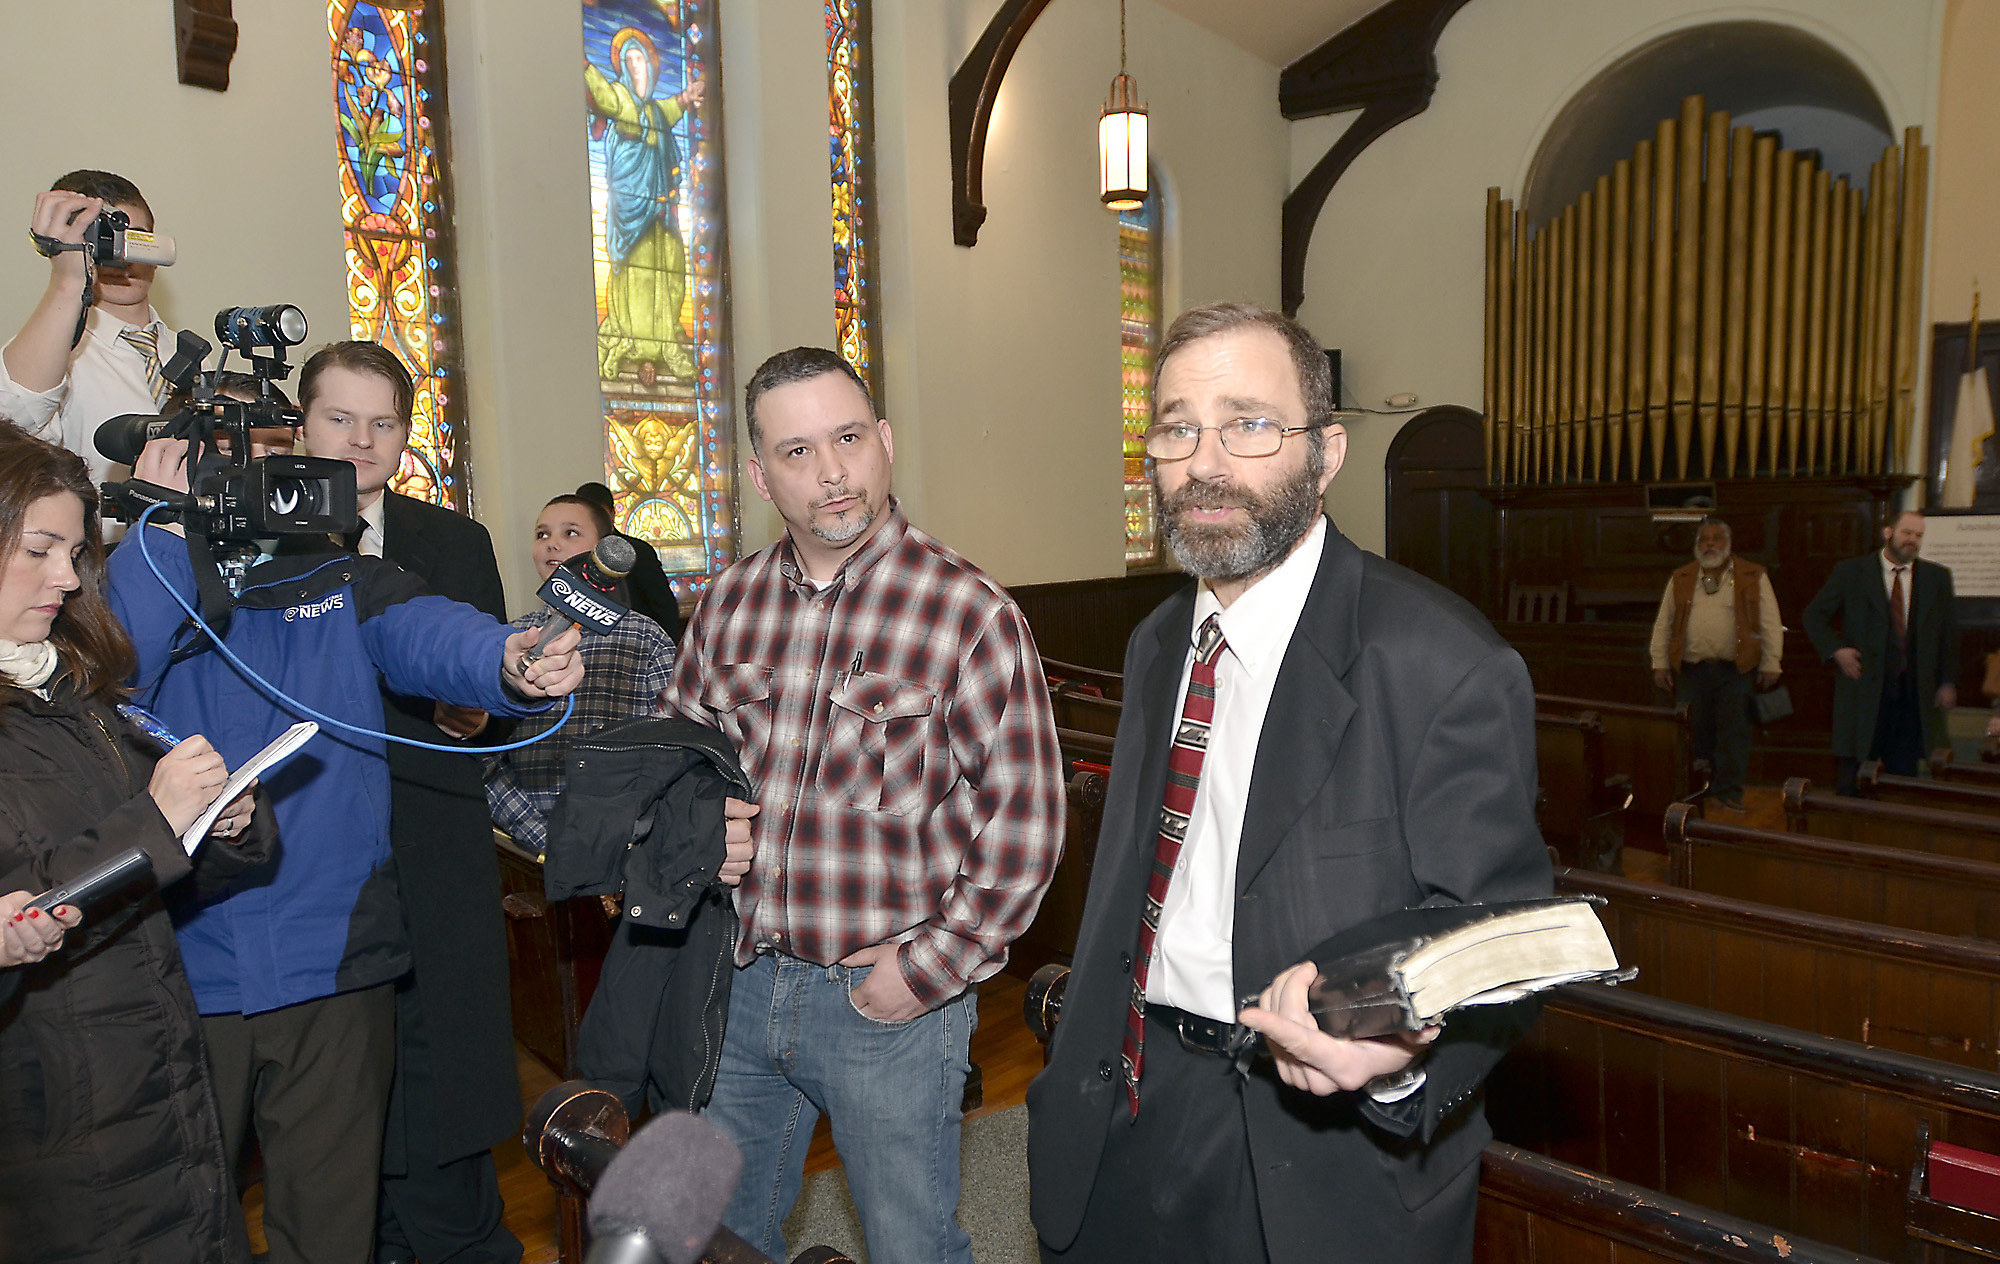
(975, 86)
(1385, 65)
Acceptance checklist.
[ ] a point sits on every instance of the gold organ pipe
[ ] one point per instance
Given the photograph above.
(1642, 275)
(1797, 335)
(1600, 264)
(1736, 295)
(1659, 378)
(1758, 309)
(1714, 197)
(1565, 299)
(1864, 337)
(1618, 309)
(1503, 341)
(1881, 380)
(1687, 226)
(1816, 315)
(1517, 446)
(1916, 176)
(1540, 357)
(1842, 291)
(1492, 379)
(1784, 162)
(1579, 396)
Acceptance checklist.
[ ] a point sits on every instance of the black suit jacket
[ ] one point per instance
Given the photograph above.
(1396, 768)
(442, 836)
(1852, 609)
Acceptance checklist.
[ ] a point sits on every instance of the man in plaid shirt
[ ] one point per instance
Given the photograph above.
(887, 700)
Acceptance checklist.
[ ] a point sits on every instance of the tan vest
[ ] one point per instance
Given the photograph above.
(1749, 602)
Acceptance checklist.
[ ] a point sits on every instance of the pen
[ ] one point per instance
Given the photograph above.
(855, 668)
(149, 724)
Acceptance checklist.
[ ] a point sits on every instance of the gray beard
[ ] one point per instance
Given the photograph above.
(1710, 560)
(849, 527)
(1277, 523)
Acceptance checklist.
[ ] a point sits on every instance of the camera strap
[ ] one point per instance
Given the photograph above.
(212, 596)
(49, 248)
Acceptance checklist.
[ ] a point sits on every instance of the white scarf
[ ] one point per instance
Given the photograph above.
(28, 666)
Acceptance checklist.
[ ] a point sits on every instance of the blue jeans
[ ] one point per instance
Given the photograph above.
(795, 1047)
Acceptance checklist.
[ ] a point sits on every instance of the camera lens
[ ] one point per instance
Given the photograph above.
(296, 497)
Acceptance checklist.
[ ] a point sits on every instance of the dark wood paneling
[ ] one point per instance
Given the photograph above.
(1088, 621)
(1440, 521)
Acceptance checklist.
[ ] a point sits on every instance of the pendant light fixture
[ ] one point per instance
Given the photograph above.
(1121, 138)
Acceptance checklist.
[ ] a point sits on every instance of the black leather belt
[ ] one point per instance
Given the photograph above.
(1198, 1034)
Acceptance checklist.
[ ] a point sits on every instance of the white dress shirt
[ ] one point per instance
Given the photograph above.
(1193, 954)
(372, 538)
(106, 378)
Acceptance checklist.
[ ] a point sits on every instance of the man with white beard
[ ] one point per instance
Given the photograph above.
(1718, 623)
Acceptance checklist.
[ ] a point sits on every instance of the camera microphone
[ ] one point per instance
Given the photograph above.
(661, 1199)
(584, 591)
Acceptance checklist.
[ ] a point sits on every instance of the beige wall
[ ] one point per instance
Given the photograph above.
(243, 181)
(1395, 274)
(1001, 361)
(1965, 163)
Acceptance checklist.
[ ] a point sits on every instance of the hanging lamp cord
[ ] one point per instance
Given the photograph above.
(1121, 36)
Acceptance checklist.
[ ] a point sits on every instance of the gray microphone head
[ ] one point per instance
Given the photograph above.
(615, 556)
(671, 1182)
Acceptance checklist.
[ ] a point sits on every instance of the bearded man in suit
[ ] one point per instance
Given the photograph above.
(1311, 738)
(1886, 621)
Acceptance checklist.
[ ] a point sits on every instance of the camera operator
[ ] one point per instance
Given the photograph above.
(457, 1092)
(294, 973)
(58, 386)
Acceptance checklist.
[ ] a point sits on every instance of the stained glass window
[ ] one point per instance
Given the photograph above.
(851, 120)
(1139, 336)
(388, 88)
(651, 80)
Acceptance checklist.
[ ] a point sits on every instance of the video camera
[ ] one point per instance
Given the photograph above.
(232, 496)
(111, 242)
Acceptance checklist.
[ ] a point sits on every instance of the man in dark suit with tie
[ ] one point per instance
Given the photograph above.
(1311, 737)
(456, 1092)
(1886, 621)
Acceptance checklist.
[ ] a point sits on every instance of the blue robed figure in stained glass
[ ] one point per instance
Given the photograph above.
(642, 163)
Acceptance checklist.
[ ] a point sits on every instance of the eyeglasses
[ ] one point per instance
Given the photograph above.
(1245, 436)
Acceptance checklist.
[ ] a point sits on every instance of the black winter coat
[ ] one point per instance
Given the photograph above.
(641, 813)
(110, 1146)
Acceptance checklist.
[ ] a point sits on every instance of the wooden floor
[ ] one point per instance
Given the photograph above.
(1007, 1054)
(1006, 1051)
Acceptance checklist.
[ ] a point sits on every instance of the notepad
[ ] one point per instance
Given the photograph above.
(280, 749)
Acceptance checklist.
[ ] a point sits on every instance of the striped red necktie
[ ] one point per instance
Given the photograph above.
(1183, 775)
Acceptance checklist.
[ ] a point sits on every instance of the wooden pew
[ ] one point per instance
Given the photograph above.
(1801, 1132)
(1654, 746)
(1534, 1210)
(1580, 809)
(1926, 792)
(554, 955)
(1051, 937)
(1944, 895)
(1945, 768)
(1083, 712)
(1935, 996)
(1109, 684)
(1937, 830)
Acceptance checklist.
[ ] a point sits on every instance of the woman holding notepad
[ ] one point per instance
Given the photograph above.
(110, 1148)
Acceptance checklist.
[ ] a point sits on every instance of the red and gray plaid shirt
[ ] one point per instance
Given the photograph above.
(897, 726)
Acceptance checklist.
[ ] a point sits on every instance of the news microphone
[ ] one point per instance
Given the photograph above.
(127, 869)
(661, 1199)
(584, 591)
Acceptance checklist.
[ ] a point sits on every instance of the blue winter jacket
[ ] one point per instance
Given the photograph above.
(323, 915)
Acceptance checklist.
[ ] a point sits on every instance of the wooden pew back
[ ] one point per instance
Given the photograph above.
(1579, 808)
(1926, 792)
(1944, 895)
(1654, 746)
(1533, 1210)
(1977, 773)
(1933, 996)
(1935, 830)
(1797, 1131)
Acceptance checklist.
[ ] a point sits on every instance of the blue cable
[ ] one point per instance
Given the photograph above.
(293, 704)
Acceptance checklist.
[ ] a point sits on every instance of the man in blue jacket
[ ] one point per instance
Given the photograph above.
(293, 969)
